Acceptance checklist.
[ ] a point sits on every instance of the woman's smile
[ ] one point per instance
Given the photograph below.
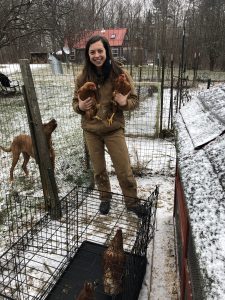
(97, 54)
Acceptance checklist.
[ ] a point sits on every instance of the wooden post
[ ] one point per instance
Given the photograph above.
(39, 142)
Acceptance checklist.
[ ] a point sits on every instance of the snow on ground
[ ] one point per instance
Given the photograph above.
(9, 69)
(202, 174)
(160, 281)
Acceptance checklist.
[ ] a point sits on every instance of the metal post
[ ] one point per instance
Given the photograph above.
(182, 65)
(170, 120)
(208, 83)
(139, 80)
(162, 90)
(195, 69)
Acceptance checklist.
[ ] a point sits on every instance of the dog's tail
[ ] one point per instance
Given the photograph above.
(6, 149)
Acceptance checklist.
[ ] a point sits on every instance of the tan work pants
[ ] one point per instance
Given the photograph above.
(117, 148)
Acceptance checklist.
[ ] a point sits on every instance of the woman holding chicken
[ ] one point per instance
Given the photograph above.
(106, 126)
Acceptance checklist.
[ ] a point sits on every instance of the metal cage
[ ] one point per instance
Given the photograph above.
(50, 259)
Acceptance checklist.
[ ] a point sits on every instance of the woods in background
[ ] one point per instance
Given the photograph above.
(157, 26)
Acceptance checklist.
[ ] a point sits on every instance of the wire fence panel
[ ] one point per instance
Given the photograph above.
(149, 153)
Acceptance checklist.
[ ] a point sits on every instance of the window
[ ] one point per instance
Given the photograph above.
(72, 55)
(115, 52)
(113, 36)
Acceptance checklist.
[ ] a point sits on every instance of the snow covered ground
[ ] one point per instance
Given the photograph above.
(160, 282)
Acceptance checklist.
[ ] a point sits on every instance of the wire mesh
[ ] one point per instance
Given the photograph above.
(42, 248)
(198, 284)
(149, 153)
(37, 237)
(186, 254)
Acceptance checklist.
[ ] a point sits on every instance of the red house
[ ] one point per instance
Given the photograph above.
(117, 38)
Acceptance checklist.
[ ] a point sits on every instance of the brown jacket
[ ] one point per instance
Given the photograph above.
(106, 108)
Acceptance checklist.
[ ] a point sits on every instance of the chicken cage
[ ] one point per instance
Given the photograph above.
(51, 259)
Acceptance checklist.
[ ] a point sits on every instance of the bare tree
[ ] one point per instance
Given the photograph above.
(154, 26)
(211, 14)
(15, 21)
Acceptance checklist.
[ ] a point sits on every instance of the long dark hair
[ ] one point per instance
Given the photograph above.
(110, 67)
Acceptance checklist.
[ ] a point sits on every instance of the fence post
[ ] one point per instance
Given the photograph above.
(139, 81)
(162, 92)
(39, 142)
(182, 69)
(170, 119)
(208, 83)
(195, 69)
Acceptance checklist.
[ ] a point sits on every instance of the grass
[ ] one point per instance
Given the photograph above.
(139, 166)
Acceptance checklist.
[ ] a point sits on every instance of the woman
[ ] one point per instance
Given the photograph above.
(102, 69)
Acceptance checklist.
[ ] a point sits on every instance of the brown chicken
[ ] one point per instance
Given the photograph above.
(87, 292)
(89, 90)
(114, 265)
(122, 86)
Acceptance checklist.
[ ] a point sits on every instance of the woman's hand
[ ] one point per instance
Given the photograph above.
(121, 99)
(85, 104)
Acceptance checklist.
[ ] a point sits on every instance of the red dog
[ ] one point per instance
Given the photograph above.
(23, 144)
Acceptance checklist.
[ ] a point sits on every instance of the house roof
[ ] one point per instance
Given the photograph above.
(115, 37)
(200, 143)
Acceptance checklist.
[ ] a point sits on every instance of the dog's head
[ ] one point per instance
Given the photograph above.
(49, 127)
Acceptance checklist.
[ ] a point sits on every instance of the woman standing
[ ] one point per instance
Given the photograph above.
(106, 128)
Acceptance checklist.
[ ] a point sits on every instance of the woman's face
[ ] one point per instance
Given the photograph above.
(97, 54)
